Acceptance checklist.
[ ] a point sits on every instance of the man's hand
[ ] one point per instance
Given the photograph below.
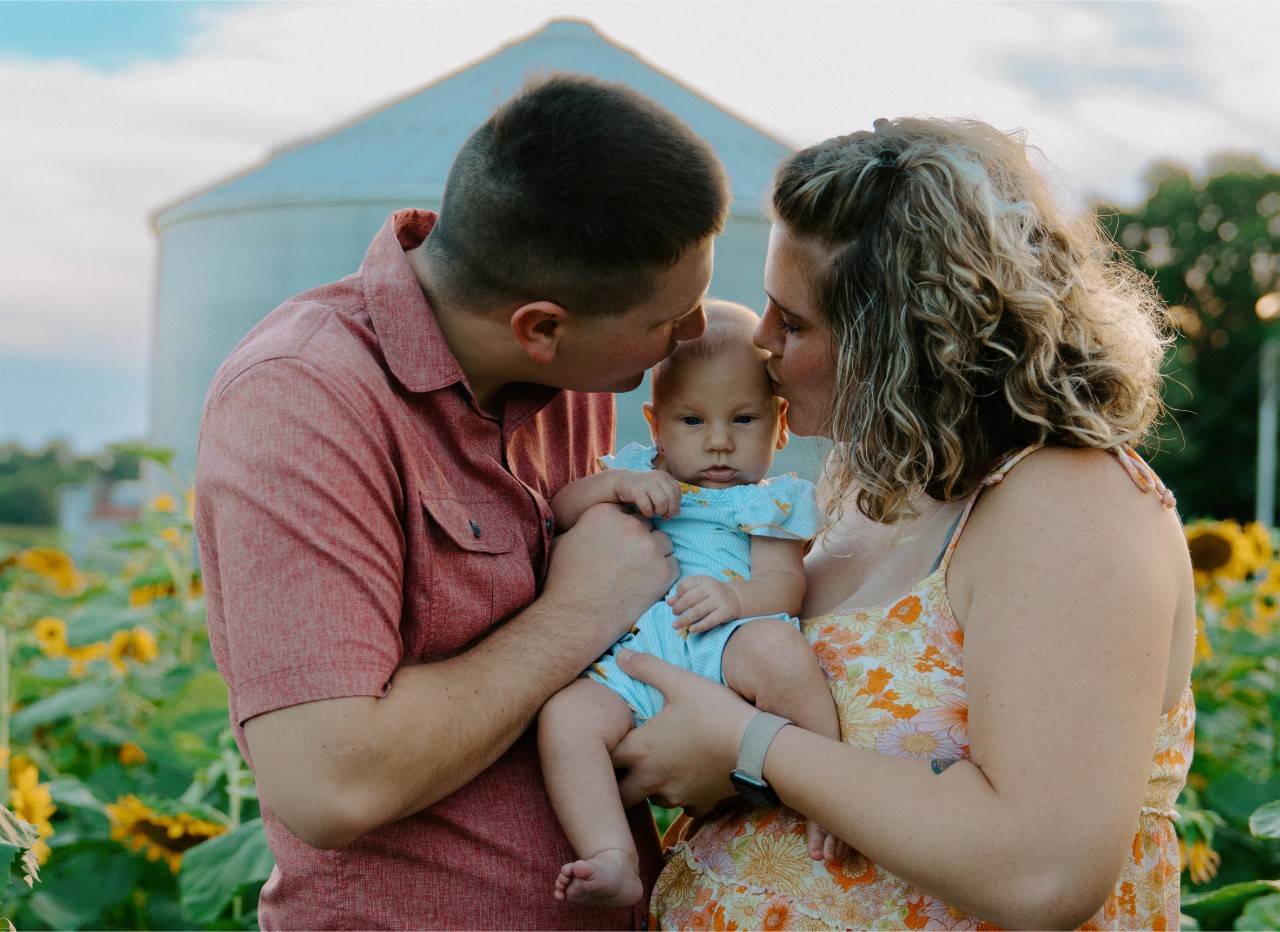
(652, 492)
(608, 570)
(701, 602)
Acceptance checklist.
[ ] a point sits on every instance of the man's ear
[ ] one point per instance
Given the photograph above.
(782, 423)
(538, 328)
(651, 415)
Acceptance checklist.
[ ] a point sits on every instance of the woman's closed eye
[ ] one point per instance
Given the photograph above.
(786, 327)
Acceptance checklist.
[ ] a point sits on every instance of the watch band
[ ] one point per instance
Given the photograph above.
(756, 740)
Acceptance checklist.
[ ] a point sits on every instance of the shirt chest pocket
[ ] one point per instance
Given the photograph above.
(474, 562)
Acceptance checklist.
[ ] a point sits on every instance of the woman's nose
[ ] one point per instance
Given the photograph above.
(766, 335)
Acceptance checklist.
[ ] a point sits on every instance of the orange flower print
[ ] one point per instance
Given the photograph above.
(877, 680)
(933, 660)
(775, 913)
(854, 870)
(906, 611)
(950, 717)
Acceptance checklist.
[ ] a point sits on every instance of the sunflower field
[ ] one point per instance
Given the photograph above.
(129, 805)
(134, 809)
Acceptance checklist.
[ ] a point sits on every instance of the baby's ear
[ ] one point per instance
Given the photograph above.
(783, 437)
(651, 415)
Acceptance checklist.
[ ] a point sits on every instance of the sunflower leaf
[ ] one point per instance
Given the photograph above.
(1265, 821)
(65, 703)
(213, 872)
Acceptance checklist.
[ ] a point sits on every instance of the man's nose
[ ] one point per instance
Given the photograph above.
(690, 326)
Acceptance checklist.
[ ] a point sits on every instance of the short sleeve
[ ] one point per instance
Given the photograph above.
(785, 507)
(302, 550)
(632, 456)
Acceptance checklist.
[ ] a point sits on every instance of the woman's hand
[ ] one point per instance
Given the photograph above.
(682, 756)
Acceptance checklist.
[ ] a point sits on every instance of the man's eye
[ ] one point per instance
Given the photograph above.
(691, 420)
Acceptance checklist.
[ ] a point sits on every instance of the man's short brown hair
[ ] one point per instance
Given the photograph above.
(576, 191)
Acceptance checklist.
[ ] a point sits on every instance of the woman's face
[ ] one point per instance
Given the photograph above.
(803, 365)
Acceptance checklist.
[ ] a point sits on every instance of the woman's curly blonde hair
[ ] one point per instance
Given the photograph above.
(970, 316)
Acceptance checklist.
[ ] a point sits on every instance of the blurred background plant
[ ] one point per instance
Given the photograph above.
(1229, 814)
(144, 814)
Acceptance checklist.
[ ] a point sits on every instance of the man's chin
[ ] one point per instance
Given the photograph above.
(629, 384)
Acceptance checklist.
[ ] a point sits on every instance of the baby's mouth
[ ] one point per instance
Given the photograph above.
(720, 473)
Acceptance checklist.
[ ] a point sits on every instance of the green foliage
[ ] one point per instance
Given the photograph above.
(149, 814)
(29, 480)
(219, 870)
(1212, 245)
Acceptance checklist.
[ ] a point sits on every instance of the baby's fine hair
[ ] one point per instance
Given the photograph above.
(729, 325)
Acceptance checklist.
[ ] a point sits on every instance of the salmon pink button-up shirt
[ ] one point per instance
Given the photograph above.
(357, 511)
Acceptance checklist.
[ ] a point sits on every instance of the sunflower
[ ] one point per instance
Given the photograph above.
(81, 657)
(32, 802)
(51, 635)
(164, 503)
(160, 830)
(54, 566)
(1200, 859)
(131, 754)
(173, 537)
(138, 645)
(1220, 550)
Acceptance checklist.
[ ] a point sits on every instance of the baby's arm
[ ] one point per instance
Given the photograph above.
(652, 492)
(776, 585)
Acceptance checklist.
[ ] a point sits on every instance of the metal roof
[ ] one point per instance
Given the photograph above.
(402, 150)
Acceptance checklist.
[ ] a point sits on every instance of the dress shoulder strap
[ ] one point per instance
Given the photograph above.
(1143, 476)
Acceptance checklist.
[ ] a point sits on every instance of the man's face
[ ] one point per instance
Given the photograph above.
(612, 354)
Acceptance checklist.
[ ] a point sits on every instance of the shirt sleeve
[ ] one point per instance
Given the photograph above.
(785, 507)
(298, 500)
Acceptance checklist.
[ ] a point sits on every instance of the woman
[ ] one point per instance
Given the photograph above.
(1005, 621)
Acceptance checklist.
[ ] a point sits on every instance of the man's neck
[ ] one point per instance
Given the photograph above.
(482, 343)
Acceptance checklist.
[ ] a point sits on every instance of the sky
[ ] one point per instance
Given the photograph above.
(109, 110)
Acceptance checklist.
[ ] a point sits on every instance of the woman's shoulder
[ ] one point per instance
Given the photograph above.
(1103, 504)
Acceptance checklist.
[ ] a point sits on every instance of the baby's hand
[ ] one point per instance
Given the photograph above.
(651, 492)
(701, 602)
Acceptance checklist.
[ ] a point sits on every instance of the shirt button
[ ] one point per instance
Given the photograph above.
(551, 525)
(475, 529)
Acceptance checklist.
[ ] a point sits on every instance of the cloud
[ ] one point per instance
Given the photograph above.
(88, 153)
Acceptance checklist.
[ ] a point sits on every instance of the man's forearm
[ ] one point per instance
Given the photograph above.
(442, 724)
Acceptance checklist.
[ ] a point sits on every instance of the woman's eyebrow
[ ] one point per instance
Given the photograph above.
(778, 304)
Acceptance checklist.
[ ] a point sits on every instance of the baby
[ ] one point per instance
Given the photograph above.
(739, 540)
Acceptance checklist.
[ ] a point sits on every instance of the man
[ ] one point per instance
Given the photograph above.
(374, 469)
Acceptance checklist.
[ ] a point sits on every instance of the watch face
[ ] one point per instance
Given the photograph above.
(754, 790)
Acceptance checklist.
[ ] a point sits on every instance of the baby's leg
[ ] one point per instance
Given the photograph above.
(770, 664)
(577, 729)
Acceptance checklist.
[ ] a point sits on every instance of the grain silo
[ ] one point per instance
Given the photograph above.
(304, 216)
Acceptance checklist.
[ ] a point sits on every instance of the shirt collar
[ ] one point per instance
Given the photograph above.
(410, 338)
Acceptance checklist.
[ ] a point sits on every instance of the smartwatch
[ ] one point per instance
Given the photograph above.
(748, 777)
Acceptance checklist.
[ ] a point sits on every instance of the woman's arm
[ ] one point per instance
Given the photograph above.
(1069, 594)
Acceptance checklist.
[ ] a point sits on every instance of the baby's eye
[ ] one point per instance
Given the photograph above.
(691, 419)
(744, 419)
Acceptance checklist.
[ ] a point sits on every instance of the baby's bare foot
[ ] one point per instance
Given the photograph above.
(609, 878)
(823, 846)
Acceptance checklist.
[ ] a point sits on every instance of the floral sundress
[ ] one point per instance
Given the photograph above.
(897, 675)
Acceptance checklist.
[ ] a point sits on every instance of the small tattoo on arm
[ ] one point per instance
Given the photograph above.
(938, 765)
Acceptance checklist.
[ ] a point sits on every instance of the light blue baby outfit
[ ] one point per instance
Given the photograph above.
(711, 536)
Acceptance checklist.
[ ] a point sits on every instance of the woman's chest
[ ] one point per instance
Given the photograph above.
(896, 674)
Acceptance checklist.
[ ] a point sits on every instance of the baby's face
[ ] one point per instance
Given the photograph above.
(717, 422)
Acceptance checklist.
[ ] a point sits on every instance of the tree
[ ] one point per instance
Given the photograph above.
(1212, 246)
